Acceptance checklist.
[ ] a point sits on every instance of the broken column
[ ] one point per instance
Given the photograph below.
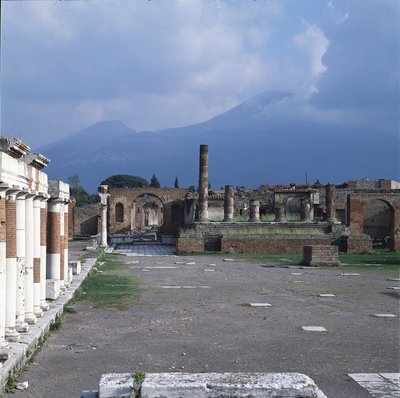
(305, 211)
(330, 203)
(229, 203)
(11, 333)
(280, 214)
(254, 211)
(103, 193)
(3, 279)
(202, 214)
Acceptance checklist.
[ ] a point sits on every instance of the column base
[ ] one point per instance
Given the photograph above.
(22, 327)
(30, 318)
(12, 335)
(37, 311)
(45, 306)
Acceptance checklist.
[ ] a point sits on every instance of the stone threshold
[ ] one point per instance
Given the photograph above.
(209, 385)
(18, 352)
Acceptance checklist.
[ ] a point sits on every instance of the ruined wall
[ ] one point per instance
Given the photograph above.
(288, 244)
(189, 245)
(86, 219)
(172, 209)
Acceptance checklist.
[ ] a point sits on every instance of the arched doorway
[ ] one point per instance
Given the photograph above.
(378, 222)
(147, 213)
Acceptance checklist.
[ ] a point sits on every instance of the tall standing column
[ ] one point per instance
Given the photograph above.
(103, 193)
(43, 247)
(203, 185)
(330, 202)
(62, 280)
(37, 310)
(3, 276)
(53, 250)
(29, 231)
(254, 211)
(229, 203)
(11, 333)
(21, 323)
(65, 245)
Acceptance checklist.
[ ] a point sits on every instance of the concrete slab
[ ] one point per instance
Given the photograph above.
(212, 385)
(314, 328)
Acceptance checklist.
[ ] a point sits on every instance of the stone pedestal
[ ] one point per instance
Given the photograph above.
(229, 203)
(254, 211)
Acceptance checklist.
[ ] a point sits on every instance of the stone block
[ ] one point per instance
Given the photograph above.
(53, 289)
(115, 385)
(76, 267)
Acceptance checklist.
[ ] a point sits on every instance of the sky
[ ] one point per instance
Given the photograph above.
(155, 64)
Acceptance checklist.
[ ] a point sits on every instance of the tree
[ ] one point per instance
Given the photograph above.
(192, 188)
(176, 182)
(77, 191)
(125, 181)
(154, 183)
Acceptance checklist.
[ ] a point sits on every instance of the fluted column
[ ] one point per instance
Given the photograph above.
(37, 310)
(254, 211)
(53, 250)
(203, 185)
(21, 323)
(11, 333)
(229, 203)
(43, 245)
(3, 276)
(30, 317)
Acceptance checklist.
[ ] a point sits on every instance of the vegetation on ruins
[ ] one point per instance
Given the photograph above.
(82, 197)
(106, 288)
(125, 181)
(154, 183)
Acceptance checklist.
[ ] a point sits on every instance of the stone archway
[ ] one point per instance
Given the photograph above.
(147, 212)
(359, 205)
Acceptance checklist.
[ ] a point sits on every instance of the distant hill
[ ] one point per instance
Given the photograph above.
(263, 140)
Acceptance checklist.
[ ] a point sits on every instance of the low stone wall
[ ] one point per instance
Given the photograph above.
(190, 245)
(358, 244)
(280, 244)
(210, 385)
(320, 255)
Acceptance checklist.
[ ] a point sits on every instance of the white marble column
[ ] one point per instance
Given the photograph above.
(65, 245)
(11, 333)
(44, 305)
(3, 276)
(21, 323)
(103, 226)
(62, 268)
(53, 256)
(37, 310)
(29, 232)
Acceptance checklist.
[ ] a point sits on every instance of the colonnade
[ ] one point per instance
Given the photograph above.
(33, 238)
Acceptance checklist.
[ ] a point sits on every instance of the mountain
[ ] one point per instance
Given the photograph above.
(267, 139)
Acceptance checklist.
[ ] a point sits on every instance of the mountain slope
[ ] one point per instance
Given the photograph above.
(266, 139)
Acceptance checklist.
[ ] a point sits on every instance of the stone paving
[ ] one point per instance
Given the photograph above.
(379, 385)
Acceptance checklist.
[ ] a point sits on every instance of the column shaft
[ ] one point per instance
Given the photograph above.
(53, 250)
(62, 275)
(330, 202)
(3, 276)
(103, 226)
(11, 268)
(229, 203)
(203, 185)
(254, 211)
(29, 232)
(43, 245)
(65, 245)
(37, 310)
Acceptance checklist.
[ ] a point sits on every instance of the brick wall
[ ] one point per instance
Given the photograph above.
(320, 255)
(269, 245)
(53, 232)
(358, 245)
(190, 245)
(2, 220)
(11, 221)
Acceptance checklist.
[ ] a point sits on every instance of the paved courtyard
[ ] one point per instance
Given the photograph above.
(205, 314)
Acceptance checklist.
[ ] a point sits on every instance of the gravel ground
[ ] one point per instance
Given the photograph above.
(207, 325)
